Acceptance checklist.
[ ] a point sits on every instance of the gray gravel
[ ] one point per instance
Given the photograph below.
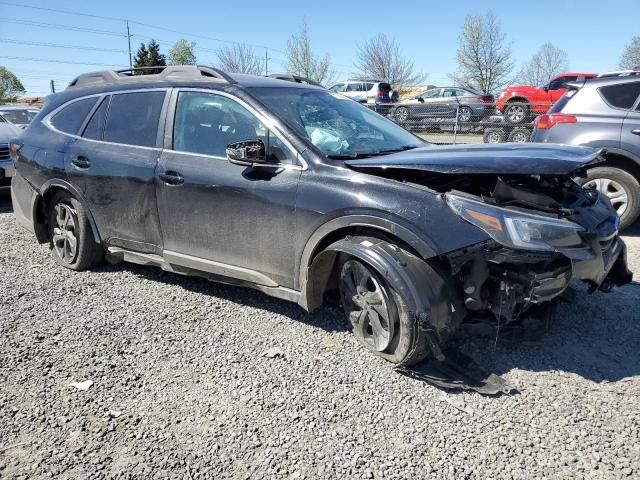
(186, 385)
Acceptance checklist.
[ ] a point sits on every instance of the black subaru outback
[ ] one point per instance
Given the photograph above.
(295, 191)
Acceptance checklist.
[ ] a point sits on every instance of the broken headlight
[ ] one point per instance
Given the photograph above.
(517, 229)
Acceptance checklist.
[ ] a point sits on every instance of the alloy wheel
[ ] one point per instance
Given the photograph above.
(516, 113)
(402, 114)
(464, 114)
(494, 137)
(65, 233)
(367, 305)
(616, 193)
(520, 137)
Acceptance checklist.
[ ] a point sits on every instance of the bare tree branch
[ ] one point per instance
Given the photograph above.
(381, 58)
(484, 59)
(546, 63)
(240, 58)
(301, 60)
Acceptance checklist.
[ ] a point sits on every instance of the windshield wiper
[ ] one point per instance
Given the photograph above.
(355, 155)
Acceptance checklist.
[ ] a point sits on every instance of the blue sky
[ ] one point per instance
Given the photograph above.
(593, 33)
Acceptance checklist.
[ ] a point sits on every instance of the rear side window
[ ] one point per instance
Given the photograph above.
(71, 117)
(95, 127)
(562, 102)
(133, 118)
(622, 95)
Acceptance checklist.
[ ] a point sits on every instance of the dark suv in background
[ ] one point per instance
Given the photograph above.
(602, 113)
(295, 191)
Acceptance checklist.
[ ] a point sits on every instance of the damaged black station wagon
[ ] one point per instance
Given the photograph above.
(285, 187)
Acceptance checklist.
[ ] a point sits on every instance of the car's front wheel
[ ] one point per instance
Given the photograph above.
(70, 236)
(622, 189)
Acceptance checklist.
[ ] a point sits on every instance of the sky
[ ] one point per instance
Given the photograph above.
(593, 33)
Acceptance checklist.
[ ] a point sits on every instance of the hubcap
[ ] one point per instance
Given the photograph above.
(519, 137)
(367, 306)
(613, 190)
(402, 114)
(65, 231)
(494, 137)
(464, 114)
(516, 113)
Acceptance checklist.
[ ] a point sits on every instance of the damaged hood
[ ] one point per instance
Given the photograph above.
(505, 159)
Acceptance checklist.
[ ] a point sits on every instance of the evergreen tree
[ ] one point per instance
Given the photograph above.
(149, 56)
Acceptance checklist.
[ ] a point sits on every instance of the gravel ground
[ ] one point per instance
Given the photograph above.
(181, 389)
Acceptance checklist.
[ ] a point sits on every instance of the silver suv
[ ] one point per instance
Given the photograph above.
(364, 91)
(602, 113)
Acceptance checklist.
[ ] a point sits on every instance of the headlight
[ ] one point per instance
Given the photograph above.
(516, 229)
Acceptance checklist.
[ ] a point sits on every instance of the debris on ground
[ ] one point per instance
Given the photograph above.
(84, 386)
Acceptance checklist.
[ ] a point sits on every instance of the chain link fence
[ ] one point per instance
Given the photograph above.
(462, 121)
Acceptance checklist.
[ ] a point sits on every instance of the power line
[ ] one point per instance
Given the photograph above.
(30, 59)
(58, 26)
(58, 45)
(46, 9)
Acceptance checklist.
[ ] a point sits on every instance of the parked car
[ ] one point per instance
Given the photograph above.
(521, 103)
(295, 191)
(602, 113)
(445, 102)
(365, 91)
(19, 115)
(8, 131)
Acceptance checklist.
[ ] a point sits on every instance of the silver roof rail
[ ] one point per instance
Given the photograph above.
(159, 73)
(294, 78)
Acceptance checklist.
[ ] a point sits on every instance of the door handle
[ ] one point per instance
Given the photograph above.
(636, 131)
(81, 162)
(171, 178)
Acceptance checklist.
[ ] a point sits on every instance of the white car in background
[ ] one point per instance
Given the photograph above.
(364, 91)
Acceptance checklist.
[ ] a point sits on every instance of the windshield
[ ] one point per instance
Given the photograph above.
(19, 117)
(338, 126)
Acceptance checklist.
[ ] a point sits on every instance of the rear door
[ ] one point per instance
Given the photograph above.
(218, 216)
(630, 137)
(113, 164)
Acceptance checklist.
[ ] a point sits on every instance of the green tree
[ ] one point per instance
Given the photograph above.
(630, 58)
(149, 56)
(182, 53)
(10, 86)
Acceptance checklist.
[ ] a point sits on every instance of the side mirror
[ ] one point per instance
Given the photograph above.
(248, 153)
(421, 100)
(546, 88)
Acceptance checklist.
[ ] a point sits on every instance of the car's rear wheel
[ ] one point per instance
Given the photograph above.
(401, 114)
(622, 189)
(70, 237)
(465, 114)
(517, 112)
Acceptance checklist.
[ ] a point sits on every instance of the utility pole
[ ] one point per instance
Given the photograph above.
(129, 41)
(52, 84)
(266, 62)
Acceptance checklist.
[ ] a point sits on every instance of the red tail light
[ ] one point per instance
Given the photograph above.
(14, 146)
(548, 121)
(486, 99)
(379, 94)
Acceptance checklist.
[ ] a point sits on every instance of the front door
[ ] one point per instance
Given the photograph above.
(218, 216)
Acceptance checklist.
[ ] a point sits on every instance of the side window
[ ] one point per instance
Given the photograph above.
(369, 85)
(133, 118)
(622, 95)
(354, 87)
(71, 117)
(431, 93)
(95, 127)
(449, 92)
(337, 88)
(206, 123)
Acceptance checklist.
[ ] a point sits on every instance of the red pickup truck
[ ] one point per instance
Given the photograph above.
(521, 103)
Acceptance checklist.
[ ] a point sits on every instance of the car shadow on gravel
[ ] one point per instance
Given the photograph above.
(5, 200)
(327, 318)
(595, 337)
